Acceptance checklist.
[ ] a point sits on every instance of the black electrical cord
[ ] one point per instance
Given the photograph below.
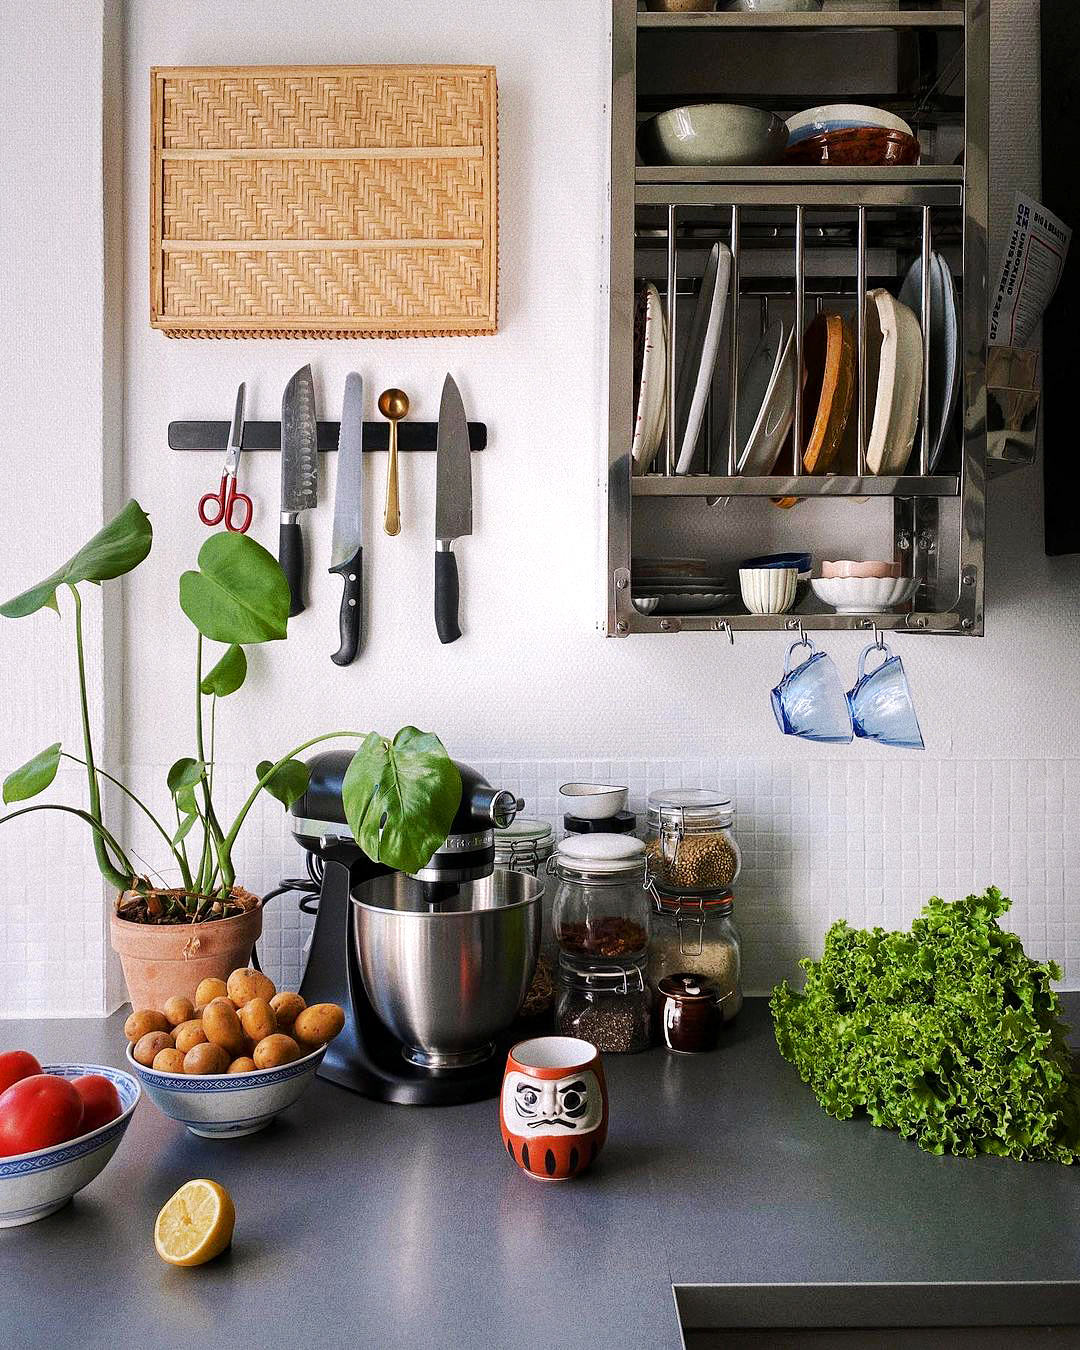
(307, 888)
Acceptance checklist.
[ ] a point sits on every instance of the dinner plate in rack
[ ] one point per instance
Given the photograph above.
(699, 358)
(650, 357)
(944, 345)
(894, 371)
(766, 401)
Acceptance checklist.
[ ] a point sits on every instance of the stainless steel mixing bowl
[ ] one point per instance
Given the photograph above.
(447, 978)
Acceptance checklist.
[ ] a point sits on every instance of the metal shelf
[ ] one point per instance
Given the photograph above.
(800, 185)
(945, 622)
(822, 20)
(805, 485)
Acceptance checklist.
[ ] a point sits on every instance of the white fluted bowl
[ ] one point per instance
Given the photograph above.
(863, 595)
(768, 590)
(35, 1184)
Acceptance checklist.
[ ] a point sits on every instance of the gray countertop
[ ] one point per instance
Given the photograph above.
(365, 1224)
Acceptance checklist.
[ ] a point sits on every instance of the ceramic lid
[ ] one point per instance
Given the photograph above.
(689, 988)
(601, 854)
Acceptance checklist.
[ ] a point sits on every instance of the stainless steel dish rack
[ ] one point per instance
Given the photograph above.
(803, 238)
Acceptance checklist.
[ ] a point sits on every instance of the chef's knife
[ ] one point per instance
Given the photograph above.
(347, 551)
(453, 506)
(299, 478)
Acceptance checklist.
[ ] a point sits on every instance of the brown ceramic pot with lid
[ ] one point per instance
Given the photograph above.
(689, 1013)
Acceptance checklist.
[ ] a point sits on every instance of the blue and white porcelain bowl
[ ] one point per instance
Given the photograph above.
(227, 1105)
(39, 1183)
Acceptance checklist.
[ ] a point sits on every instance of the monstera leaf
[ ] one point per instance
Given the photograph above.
(32, 777)
(289, 783)
(401, 797)
(239, 594)
(115, 549)
(228, 675)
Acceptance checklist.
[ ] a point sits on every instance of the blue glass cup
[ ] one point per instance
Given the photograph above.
(810, 701)
(881, 706)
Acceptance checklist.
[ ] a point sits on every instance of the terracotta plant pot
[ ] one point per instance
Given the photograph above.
(161, 960)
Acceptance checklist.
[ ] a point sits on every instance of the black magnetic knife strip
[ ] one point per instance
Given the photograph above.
(267, 436)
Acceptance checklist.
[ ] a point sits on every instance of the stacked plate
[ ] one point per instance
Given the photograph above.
(671, 591)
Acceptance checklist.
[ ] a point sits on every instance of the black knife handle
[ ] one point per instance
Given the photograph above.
(291, 558)
(446, 596)
(351, 619)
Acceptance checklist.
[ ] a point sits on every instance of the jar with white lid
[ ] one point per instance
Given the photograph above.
(600, 910)
(691, 846)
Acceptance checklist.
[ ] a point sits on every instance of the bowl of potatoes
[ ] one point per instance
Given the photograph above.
(228, 1063)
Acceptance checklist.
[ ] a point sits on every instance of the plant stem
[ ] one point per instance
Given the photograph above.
(95, 825)
(234, 829)
(180, 858)
(220, 845)
(106, 866)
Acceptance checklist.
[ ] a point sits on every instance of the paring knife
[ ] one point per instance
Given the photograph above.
(453, 506)
(347, 549)
(299, 478)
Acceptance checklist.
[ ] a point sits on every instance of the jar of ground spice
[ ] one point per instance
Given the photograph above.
(696, 935)
(600, 909)
(608, 1003)
(689, 841)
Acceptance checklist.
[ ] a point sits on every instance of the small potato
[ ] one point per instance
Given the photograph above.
(287, 1008)
(247, 984)
(147, 1047)
(178, 1010)
(221, 1022)
(275, 1051)
(188, 1035)
(318, 1024)
(209, 990)
(245, 1064)
(139, 1023)
(169, 1061)
(258, 1020)
(207, 1058)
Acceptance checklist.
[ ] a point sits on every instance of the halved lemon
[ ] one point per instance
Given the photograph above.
(196, 1224)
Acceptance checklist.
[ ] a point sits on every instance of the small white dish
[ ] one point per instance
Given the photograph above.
(593, 801)
(894, 370)
(699, 358)
(864, 595)
(652, 391)
(227, 1105)
(839, 117)
(768, 590)
(944, 344)
(35, 1184)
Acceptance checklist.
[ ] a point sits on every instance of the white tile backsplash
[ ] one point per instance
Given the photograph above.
(821, 840)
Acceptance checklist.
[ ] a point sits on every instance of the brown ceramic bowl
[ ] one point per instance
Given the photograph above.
(851, 146)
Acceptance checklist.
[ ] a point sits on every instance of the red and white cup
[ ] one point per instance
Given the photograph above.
(553, 1109)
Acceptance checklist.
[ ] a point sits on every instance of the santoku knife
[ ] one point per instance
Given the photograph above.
(453, 506)
(347, 551)
(299, 478)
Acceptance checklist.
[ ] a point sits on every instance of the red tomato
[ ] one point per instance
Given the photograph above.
(38, 1112)
(101, 1101)
(16, 1064)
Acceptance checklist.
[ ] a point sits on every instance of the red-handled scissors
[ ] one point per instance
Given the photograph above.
(226, 504)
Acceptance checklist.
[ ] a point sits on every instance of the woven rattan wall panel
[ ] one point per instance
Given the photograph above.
(326, 201)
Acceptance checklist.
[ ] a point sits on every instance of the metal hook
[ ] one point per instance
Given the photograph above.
(879, 638)
(724, 627)
(796, 625)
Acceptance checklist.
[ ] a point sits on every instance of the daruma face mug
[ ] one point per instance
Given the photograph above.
(553, 1111)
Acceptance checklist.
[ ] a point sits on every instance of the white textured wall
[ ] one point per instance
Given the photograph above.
(531, 680)
(58, 422)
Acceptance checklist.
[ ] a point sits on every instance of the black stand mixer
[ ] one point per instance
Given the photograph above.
(430, 969)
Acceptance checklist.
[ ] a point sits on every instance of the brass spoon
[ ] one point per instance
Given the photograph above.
(394, 405)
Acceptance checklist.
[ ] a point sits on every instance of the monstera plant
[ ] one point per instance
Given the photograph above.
(400, 794)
